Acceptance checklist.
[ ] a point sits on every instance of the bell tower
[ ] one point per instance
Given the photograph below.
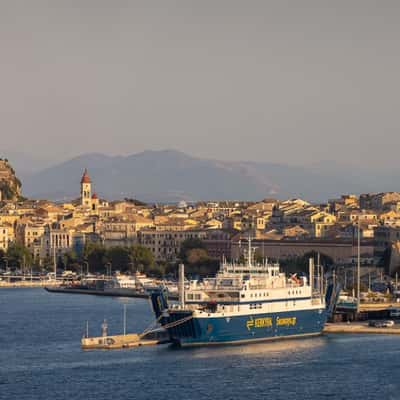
(86, 189)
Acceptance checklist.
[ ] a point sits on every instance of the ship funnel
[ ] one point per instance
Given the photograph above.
(182, 285)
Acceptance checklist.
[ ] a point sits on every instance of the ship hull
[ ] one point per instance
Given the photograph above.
(246, 328)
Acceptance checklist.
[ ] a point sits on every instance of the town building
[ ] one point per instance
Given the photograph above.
(341, 251)
(166, 245)
(384, 237)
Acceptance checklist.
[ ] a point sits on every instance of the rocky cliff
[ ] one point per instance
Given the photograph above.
(10, 185)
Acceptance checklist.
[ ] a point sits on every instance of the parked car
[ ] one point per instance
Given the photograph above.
(381, 324)
(394, 312)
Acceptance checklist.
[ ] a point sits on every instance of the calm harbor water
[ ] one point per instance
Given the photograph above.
(40, 358)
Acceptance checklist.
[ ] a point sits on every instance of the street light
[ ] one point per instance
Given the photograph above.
(87, 267)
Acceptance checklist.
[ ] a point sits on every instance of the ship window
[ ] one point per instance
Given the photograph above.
(242, 295)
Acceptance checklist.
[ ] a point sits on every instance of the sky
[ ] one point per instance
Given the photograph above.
(293, 82)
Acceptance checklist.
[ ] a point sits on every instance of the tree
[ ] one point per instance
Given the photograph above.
(2, 258)
(158, 269)
(190, 244)
(141, 258)
(118, 256)
(196, 255)
(47, 264)
(122, 258)
(301, 264)
(96, 255)
(19, 256)
(69, 260)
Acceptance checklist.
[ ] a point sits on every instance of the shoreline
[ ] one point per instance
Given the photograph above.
(28, 284)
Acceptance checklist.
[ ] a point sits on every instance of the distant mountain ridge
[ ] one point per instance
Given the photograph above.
(170, 176)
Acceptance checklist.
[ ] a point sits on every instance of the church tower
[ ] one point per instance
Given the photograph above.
(86, 189)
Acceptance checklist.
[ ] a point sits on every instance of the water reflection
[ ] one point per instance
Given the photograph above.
(279, 347)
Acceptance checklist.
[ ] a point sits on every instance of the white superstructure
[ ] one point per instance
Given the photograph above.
(253, 287)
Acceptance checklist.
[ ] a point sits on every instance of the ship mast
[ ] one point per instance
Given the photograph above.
(249, 255)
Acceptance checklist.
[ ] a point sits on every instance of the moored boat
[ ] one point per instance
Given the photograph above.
(246, 302)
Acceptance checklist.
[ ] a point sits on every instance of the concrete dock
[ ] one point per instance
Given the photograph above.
(360, 328)
(123, 341)
(29, 283)
(365, 307)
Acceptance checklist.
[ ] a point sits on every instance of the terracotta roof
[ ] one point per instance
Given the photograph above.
(85, 177)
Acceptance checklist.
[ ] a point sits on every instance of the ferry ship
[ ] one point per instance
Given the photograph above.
(246, 302)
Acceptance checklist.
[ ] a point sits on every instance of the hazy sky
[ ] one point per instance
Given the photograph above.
(285, 81)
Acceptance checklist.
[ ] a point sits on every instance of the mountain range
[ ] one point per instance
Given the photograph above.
(170, 176)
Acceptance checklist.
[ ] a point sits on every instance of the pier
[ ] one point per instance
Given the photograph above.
(130, 340)
(27, 283)
(360, 328)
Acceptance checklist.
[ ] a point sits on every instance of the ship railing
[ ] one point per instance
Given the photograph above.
(218, 287)
(259, 287)
(294, 285)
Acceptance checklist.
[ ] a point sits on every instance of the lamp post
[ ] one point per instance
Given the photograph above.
(87, 266)
(131, 265)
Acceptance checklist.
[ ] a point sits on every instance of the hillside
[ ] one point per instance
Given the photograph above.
(10, 185)
(169, 176)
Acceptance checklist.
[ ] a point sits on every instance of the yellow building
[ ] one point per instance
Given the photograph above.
(29, 234)
(176, 224)
(166, 245)
(120, 231)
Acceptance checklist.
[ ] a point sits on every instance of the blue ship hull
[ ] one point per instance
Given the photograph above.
(244, 328)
